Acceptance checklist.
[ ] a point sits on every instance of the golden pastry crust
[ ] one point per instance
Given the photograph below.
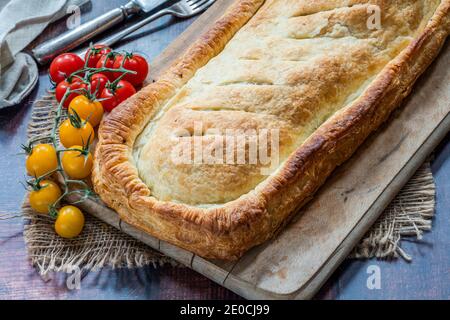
(355, 92)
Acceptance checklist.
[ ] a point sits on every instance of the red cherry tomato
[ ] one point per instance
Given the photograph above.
(124, 90)
(133, 62)
(108, 99)
(98, 83)
(62, 87)
(112, 97)
(94, 54)
(64, 65)
(107, 61)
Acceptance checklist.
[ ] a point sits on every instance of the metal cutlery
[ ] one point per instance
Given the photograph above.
(72, 39)
(181, 9)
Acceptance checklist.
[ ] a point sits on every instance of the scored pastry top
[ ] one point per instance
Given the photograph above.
(290, 68)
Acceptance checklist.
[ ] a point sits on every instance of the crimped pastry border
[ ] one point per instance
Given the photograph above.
(226, 232)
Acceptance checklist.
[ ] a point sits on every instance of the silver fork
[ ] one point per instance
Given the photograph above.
(181, 9)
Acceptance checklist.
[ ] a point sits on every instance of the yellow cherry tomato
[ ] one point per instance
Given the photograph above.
(42, 160)
(69, 222)
(48, 193)
(86, 109)
(76, 134)
(76, 164)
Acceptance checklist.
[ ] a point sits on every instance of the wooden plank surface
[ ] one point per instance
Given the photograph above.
(427, 277)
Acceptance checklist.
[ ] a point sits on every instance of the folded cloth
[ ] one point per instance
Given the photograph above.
(20, 23)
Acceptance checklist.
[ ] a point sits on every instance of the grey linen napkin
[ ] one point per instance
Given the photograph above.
(21, 21)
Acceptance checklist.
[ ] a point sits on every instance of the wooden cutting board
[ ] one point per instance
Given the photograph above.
(296, 263)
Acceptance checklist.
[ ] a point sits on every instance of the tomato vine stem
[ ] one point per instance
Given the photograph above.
(83, 189)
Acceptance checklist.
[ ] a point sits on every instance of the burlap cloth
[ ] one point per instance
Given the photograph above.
(99, 245)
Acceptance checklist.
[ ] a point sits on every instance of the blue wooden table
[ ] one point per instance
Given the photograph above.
(427, 277)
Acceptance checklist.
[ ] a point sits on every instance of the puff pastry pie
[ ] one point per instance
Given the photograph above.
(320, 72)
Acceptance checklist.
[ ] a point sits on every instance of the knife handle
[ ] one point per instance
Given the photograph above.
(69, 40)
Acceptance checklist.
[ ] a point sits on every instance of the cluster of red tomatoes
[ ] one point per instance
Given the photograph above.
(96, 75)
(86, 88)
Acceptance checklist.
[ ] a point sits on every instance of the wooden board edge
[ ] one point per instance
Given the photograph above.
(176, 48)
(249, 291)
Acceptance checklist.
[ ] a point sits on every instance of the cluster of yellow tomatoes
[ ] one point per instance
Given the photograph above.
(76, 133)
(85, 88)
